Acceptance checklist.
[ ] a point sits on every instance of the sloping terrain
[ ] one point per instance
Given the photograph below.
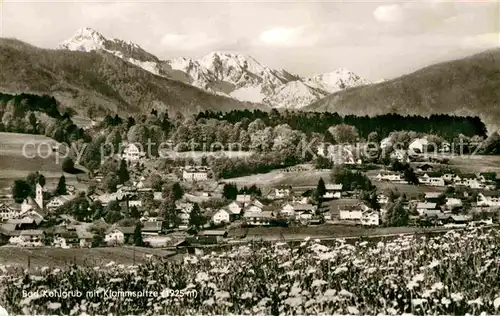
(468, 86)
(101, 79)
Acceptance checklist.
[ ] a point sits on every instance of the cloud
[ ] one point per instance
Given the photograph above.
(389, 13)
(416, 16)
(289, 37)
(190, 41)
(486, 40)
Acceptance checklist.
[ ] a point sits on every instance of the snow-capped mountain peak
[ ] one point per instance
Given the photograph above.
(336, 80)
(227, 73)
(85, 39)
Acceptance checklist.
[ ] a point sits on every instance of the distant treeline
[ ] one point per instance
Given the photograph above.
(446, 126)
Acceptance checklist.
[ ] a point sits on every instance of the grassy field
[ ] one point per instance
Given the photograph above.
(57, 257)
(476, 163)
(306, 177)
(324, 231)
(14, 163)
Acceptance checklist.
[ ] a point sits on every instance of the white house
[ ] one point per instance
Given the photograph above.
(389, 176)
(259, 218)
(333, 191)
(278, 194)
(58, 201)
(234, 208)
(382, 199)
(431, 180)
(221, 216)
(288, 210)
(7, 212)
(424, 207)
(253, 209)
(195, 173)
(370, 218)
(116, 236)
(419, 145)
(488, 199)
(243, 198)
(352, 213)
(132, 152)
(453, 202)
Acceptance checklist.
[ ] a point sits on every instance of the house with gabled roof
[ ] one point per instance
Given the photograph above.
(333, 191)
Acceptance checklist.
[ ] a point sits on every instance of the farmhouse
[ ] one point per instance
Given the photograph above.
(258, 219)
(419, 145)
(432, 179)
(220, 217)
(58, 201)
(151, 228)
(350, 212)
(488, 199)
(425, 168)
(132, 152)
(195, 173)
(7, 212)
(234, 208)
(243, 198)
(34, 236)
(389, 176)
(370, 218)
(453, 203)
(278, 194)
(288, 210)
(85, 238)
(333, 191)
(425, 207)
(118, 235)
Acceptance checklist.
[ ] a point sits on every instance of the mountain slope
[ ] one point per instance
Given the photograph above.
(468, 86)
(230, 74)
(77, 78)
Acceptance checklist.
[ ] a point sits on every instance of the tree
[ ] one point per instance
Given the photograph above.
(68, 165)
(170, 216)
(138, 235)
(61, 186)
(98, 239)
(110, 182)
(20, 190)
(196, 219)
(177, 191)
(320, 189)
(122, 173)
(396, 214)
(410, 176)
(344, 133)
(373, 137)
(134, 212)
(230, 191)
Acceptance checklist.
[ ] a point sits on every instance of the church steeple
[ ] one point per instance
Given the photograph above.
(39, 195)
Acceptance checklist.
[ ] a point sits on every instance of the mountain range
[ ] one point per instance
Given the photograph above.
(229, 74)
(99, 75)
(463, 87)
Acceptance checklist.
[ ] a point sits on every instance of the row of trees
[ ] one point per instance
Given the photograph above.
(447, 126)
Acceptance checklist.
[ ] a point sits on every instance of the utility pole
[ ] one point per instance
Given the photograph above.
(134, 255)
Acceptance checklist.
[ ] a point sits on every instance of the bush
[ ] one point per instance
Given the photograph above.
(68, 165)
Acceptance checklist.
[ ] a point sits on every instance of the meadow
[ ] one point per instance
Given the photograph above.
(452, 274)
(16, 163)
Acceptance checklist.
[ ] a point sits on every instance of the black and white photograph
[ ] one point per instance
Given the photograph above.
(285, 157)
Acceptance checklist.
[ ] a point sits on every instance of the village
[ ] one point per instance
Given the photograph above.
(214, 212)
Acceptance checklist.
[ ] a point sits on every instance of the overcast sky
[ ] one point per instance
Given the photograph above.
(372, 38)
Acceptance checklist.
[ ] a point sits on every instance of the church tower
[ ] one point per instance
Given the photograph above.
(39, 196)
